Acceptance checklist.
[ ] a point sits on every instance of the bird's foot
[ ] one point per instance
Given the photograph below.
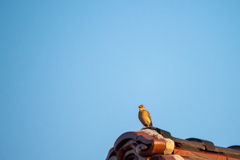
(144, 127)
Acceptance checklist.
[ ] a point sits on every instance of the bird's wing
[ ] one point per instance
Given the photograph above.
(149, 116)
(146, 117)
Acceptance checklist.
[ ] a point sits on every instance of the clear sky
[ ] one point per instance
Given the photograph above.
(73, 74)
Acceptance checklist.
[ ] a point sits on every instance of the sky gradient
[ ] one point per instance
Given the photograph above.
(73, 74)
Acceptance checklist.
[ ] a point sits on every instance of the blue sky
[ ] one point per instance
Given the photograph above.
(73, 74)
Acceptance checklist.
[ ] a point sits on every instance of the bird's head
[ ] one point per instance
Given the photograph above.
(141, 107)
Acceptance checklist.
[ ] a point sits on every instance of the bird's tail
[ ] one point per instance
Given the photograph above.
(151, 125)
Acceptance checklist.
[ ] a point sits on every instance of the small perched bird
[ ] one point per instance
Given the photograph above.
(144, 117)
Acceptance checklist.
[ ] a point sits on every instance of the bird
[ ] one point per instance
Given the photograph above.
(145, 117)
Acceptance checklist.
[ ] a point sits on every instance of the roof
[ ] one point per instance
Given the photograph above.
(156, 144)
